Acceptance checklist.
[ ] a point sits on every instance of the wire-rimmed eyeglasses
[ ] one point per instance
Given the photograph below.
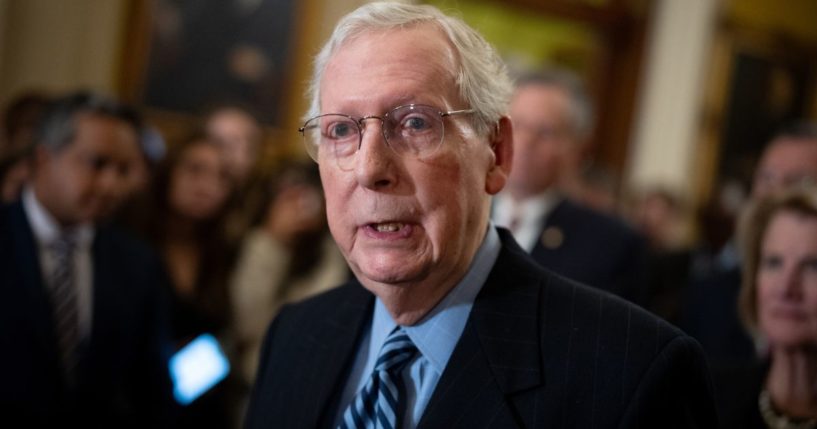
(410, 130)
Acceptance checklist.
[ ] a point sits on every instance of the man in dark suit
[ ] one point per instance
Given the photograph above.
(81, 317)
(552, 118)
(448, 323)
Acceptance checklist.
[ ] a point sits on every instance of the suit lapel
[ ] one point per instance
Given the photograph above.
(329, 351)
(498, 355)
(27, 256)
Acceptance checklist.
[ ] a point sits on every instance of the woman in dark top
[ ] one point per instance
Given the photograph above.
(192, 189)
(778, 303)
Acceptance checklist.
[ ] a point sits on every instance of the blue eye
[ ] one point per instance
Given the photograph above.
(416, 123)
(340, 130)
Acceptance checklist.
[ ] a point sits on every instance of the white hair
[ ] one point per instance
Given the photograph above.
(481, 77)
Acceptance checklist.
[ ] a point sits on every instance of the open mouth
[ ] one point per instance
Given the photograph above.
(389, 229)
(387, 226)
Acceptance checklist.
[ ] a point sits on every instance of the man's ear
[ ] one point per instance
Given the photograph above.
(501, 141)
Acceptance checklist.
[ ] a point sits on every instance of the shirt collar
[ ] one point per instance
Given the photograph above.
(438, 332)
(45, 227)
(530, 209)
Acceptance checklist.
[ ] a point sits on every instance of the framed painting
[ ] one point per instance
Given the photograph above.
(184, 55)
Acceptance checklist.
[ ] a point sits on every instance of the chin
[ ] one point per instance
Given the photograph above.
(384, 277)
(792, 340)
(391, 274)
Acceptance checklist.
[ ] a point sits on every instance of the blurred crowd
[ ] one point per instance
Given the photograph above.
(203, 239)
(234, 243)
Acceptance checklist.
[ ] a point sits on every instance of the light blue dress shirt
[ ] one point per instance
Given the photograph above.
(435, 336)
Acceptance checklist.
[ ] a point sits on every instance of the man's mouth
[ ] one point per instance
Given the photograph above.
(388, 226)
(389, 230)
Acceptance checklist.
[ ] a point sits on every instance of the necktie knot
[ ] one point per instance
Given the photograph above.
(64, 244)
(379, 403)
(396, 352)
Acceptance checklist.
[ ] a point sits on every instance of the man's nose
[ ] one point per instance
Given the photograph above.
(374, 160)
(112, 182)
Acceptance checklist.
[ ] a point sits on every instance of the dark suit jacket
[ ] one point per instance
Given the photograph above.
(595, 249)
(122, 374)
(710, 315)
(737, 388)
(537, 351)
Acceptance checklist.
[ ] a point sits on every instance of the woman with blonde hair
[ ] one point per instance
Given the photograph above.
(778, 305)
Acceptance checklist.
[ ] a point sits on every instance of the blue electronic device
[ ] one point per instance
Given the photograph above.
(197, 367)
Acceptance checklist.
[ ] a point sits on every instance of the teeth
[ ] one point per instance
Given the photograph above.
(388, 227)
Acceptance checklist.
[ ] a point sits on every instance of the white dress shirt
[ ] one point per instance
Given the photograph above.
(527, 215)
(46, 230)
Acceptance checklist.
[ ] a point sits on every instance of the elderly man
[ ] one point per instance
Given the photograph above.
(81, 320)
(449, 324)
(552, 119)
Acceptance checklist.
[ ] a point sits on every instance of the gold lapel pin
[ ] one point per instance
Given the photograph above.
(553, 237)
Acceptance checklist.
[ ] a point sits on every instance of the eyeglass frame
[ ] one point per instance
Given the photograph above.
(361, 127)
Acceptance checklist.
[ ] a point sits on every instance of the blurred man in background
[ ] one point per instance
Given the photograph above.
(789, 160)
(552, 119)
(82, 324)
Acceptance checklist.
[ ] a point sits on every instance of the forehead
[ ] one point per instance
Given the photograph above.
(787, 222)
(380, 69)
(789, 153)
(104, 133)
(535, 99)
(231, 119)
(201, 151)
(546, 96)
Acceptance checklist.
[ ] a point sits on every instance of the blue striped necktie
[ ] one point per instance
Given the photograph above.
(377, 405)
(64, 303)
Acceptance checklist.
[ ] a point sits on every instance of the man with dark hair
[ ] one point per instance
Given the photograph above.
(19, 120)
(82, 323)
(790, 159)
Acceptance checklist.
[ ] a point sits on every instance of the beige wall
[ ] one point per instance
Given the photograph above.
(60, 45)
(666, 126)
(3, 25)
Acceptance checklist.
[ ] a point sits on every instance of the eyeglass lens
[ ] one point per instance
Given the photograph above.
(413, 130)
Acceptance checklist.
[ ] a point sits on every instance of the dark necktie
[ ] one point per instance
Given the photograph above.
(377, 405)
(64, 302)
